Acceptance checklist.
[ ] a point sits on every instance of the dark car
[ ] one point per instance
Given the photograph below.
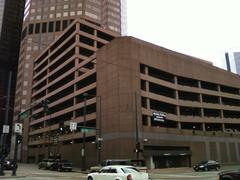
(207, 166)
(9, 164)
(229, 175)
(61, 165)
(46, 163)
(42, 164)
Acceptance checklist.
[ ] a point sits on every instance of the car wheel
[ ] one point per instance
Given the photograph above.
(59, 169)
(90, 178)
(206, 169)
(217, 168)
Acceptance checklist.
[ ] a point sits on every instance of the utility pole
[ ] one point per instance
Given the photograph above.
(4, 133)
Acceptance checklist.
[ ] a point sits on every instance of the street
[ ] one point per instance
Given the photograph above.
(31, 172)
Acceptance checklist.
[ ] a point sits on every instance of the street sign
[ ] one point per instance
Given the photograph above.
(18, 128)
(5, 129)
(85, 129)
(73, 126)
(23, 115)
(159, 116)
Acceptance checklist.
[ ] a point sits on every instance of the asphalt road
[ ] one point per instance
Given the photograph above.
(31, 172)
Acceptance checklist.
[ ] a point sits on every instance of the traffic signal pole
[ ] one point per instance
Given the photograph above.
(4, 134)
(84, 134)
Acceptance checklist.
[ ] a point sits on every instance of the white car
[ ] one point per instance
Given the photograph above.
(118, 172)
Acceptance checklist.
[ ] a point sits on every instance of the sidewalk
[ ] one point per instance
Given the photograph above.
(171, 170)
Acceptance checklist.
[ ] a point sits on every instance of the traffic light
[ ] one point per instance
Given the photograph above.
(19, 138)
(138, 147)
(61, 127)
(45, 105)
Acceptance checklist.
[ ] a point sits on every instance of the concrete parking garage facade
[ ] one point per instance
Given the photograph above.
(130, 80)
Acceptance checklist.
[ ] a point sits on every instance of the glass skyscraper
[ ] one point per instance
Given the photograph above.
(232, 60)
(11, 14)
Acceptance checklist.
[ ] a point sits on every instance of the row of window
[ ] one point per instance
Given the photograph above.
(46, 27)
(185, 81)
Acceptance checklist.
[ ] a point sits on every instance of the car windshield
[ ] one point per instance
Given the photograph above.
(130, 170)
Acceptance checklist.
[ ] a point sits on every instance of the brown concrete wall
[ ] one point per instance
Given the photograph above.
(118, 80)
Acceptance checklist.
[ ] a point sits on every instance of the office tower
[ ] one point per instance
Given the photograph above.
(232, 60)
(44, 21)
(11, 13)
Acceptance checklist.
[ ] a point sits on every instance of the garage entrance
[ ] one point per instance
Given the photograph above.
(167, 157)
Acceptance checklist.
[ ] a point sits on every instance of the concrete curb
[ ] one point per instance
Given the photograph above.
(11, 177)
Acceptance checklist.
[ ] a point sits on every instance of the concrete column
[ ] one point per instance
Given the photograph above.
(218, 152)
(146, 70)
(228, 152)
(203, 127)
(207, 145)
(237, 151)
(149, 162)
(223, 127)
(147, 86)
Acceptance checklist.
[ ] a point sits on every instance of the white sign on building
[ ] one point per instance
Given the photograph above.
(18, 128)
(73, 126)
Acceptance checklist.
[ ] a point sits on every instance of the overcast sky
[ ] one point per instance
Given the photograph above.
(200, 28)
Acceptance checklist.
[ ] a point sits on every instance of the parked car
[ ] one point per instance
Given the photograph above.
(138, 163)
(207, 166)
(42, 164)
(61, 165)
(46, 163)
(229, 175)
(9, 164)
(118, 172)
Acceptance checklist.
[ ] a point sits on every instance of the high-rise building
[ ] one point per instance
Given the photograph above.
(11, 14)
(232, 60)
(45, 20)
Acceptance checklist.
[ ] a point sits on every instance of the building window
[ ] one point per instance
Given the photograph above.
(65, 14)
(58, 26)
(65, 24)
(24, 101)
(65, 6)
(30, 29)
(25, 83)
(79, 12)
(24, 92)
(58, 15)
(28, 57)
(37, 28)
(27, 65)
(72, 13)
(44, 27)
(50, 27)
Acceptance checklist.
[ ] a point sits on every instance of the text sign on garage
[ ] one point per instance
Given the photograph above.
(159, 116)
